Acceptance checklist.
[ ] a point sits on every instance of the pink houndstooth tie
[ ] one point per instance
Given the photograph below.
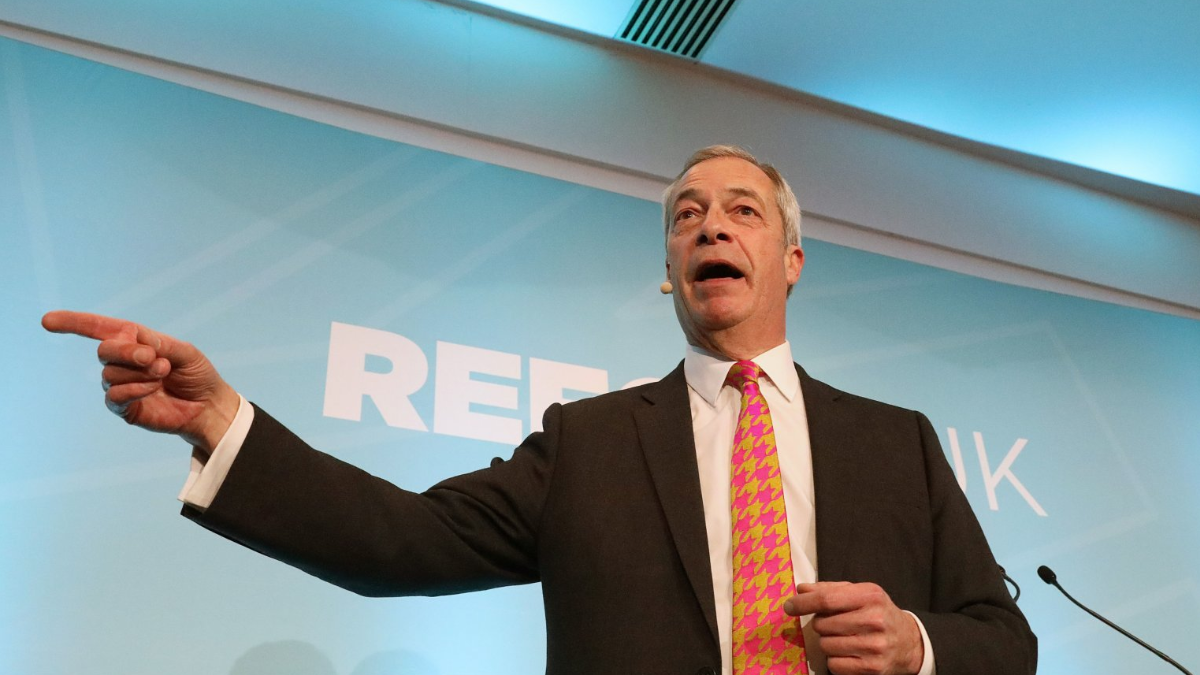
(766, 641)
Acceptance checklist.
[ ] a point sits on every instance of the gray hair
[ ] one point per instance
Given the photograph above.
(785, 199)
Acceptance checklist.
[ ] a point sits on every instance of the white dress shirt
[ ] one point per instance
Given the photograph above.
(715, 411)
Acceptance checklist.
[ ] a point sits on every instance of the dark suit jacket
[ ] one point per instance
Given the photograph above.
(604, 508)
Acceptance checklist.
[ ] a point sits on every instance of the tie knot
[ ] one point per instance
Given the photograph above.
(743, 373)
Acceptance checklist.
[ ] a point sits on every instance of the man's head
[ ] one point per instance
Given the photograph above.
(732, 229)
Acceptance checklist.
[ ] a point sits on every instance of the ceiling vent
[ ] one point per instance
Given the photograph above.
(681, 27)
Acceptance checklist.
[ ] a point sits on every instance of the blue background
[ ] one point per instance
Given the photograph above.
(247, 232)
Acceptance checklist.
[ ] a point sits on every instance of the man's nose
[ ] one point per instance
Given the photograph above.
(715, 228)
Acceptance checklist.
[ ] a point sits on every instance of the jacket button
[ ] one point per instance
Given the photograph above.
(706, 671)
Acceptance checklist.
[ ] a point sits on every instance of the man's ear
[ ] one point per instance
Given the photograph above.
(793, 263)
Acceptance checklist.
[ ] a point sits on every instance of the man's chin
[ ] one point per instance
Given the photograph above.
(717, 315)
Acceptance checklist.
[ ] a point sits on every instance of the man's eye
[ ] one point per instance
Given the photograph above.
(682, 215)
(746, 211)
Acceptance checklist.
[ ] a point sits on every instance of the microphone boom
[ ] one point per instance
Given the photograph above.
(1051, 578)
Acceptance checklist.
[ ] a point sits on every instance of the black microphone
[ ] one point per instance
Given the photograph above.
(1051, 578)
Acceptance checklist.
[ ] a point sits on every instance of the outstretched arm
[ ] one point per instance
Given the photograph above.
(310, 510)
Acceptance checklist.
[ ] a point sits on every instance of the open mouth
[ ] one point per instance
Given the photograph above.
(718, 269)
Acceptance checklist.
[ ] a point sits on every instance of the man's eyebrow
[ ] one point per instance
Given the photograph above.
(688, 193)
(745, 192)
(735, 191)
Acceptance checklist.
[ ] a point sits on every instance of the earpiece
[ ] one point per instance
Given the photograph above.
(666, 288)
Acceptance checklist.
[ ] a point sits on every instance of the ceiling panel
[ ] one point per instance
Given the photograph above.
(601, 17)
(1111, 86)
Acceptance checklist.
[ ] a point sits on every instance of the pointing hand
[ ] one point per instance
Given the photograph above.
(154, 381)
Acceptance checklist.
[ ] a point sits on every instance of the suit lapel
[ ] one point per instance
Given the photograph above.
(665, 431)
(826, 431)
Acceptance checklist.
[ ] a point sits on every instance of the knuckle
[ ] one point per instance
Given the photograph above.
(112, 404)
(821, 602)
(121, 408)
(114, 351)
(875, 644)
(110, 377)
(843, 666)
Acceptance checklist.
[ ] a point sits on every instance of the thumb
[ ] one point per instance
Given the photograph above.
(178, 352)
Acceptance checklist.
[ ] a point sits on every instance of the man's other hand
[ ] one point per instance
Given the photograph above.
(861, 630)
(153, 380)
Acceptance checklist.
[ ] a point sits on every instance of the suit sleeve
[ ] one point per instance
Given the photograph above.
(286, 500)
(973, 623)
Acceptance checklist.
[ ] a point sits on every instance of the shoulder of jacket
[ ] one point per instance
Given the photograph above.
(856, 401)
(614, 400)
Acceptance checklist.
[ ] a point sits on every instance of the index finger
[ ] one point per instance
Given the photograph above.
(87, 325)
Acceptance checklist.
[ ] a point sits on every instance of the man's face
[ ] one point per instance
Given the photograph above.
(726, 252)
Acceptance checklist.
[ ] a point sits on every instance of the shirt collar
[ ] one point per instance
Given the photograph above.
(705, 372)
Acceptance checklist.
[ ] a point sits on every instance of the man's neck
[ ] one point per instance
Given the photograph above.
(737, 345)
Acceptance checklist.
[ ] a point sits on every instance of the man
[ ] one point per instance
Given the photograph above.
(675, 527)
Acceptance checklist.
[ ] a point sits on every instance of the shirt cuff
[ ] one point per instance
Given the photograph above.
(928, 665)
(208, 472)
